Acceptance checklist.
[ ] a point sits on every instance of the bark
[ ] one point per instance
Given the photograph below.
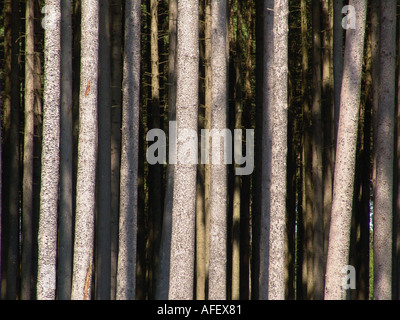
(155, 171)
(65, 231)
(184, 192)
(126, 274)
(339, 234)
(279, 152)
(337, 58)
(116, 101)
(103, 229)
(236, 223)
(383, 195)
(267, 117)
(308, 196)
(317, 288)
(328, 118)
(11, 119)
(165, 248)
(47, 239)
(218, 184)
(256, 179)
(27, 187)
(87, 154)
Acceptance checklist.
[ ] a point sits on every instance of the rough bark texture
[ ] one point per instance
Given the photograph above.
(65, 228)
(126, 274)
(383, 196)
(184, 197)
(87, 153)
(279, 153)
(219, 186)
(267, 126)
(47, 239)
(339, 234)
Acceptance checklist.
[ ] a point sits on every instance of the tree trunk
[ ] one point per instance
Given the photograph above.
(337, 58)
(155, 170)
(165, 247)
(383, 196)
(65, 228)
(126, 275)
(339, 234)
(317, 289)
(218, 186)
(27, 187)
(103, 228)
(266, 150)
(12, 143)
(308, 196)
(116, 101)
(47, 241)
(184, 193)
(87, 154)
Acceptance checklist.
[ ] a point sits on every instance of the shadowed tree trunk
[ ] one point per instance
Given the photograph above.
(65, 228)
(126, 274)
(27, 187)
(103, 229)
(383, 196)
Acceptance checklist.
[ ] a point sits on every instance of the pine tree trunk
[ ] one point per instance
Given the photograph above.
(47, 241)
(184, 193)
(103, 229)
(87, 154)
(339, 234)
(165, 248)
(266, 150)
(12, 145)
(126, 274)
(218, 185)
(308, 196)
(116, 101)
(337, 58)
(27, 187)
(65, 231)
(317, 289)
(383, 196)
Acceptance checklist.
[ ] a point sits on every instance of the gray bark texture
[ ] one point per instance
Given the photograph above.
(218, 185)
(126, 269)
(87, 154)
(184, 192)
(267, 126)
(47, 238)
(383, 195)
(279, 153)
(272, 270)
(339, 233)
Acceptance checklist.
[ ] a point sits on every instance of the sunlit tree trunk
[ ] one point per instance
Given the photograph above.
(339, 234)
(47, 238)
